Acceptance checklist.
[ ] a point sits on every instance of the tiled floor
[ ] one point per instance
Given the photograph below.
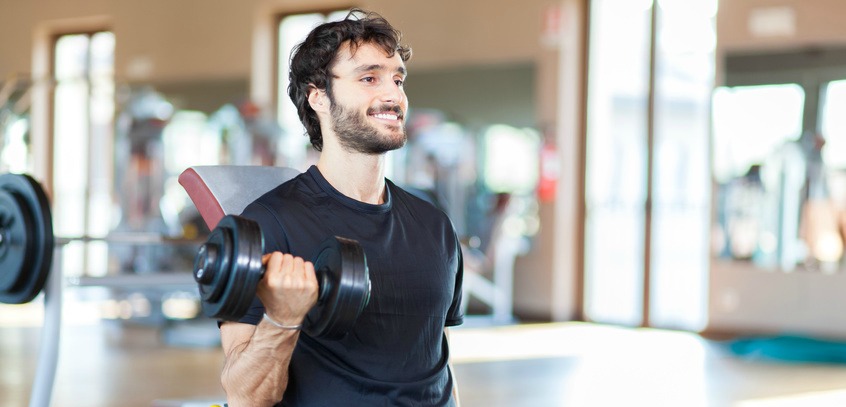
(569, 364)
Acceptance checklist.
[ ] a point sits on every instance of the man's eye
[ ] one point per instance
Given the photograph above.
(368, 79)
(399, 82)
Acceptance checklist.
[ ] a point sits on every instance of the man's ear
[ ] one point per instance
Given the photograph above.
(317, 99)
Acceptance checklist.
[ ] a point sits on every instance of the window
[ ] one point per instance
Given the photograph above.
(292, 31)
(616, 154)
(647, 180)
(83, 67)
(779, 160)
(834, 125)
(15, 149)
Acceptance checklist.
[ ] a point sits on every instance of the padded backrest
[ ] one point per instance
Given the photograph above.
(220, 190)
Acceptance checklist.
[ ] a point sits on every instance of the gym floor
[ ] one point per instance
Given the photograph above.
(566, 364)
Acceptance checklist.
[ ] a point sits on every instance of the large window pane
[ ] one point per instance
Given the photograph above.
(511, 160)
(71, 145)
(759, 165)
(684, 75)
(616, 160)
(834, 125)
(102, 111)
(83, 111)
(15, 147)
(750, 122)
(830, 230)
(292, 31)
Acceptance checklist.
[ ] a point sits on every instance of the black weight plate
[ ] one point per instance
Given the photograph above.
(354, 292)
(15, 243)
(243, 269)
(26, 217)
(246, 265)
(342, 273)
(211, 265)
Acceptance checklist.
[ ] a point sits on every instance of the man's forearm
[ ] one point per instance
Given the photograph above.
(256, 371)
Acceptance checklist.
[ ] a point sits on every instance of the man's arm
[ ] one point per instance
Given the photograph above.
(257, 356)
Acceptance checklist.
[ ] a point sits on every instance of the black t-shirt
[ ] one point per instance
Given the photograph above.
(396, 354)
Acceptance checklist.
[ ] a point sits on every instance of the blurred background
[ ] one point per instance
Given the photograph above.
(677, 165)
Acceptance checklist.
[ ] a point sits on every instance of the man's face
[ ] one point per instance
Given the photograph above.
(368, 102)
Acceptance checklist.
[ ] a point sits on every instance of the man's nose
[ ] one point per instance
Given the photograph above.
(393, 93)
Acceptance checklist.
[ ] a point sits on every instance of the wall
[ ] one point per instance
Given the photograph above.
(754, 26)
(815, 22)
(202, 39)
(477, 96)
(747, 300)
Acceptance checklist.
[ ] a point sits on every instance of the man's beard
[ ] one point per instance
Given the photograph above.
(356, 135)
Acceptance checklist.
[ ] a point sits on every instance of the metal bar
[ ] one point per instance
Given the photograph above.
(130, 238)
(48, 358)
(136, 280)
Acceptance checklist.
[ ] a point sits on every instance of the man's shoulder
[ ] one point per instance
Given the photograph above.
(417, 198)
(281, 198)
(294, 189)
(424, 207)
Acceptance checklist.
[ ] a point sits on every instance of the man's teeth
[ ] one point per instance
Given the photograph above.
(385, 116)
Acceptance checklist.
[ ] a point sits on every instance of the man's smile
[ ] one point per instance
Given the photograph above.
(387, 113)
(386, 116)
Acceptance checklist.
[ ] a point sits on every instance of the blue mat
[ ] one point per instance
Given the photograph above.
(790, 348)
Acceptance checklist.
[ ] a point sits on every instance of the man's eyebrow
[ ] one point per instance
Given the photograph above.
(378, 67)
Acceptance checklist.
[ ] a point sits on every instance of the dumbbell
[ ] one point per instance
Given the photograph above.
(228, 268)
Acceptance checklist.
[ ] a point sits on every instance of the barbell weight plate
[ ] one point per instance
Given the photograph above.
(233, 282)
(15, 244)
(26, 252)
(341, 268)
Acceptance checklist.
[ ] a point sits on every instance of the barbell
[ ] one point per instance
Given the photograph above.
(228, 268)
(26, 238)
(27, 242)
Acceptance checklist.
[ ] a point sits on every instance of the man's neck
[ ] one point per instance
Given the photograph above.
(358, 176)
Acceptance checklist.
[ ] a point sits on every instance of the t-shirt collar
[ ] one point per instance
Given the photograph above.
(347, 201)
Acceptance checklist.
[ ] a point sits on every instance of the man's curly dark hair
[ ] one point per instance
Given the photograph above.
(313, 59)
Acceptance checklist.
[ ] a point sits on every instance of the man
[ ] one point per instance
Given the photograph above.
(347, 83)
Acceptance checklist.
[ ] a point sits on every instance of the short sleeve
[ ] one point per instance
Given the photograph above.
(455, 315)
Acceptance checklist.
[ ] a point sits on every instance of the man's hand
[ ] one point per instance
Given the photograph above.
(288, 289)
